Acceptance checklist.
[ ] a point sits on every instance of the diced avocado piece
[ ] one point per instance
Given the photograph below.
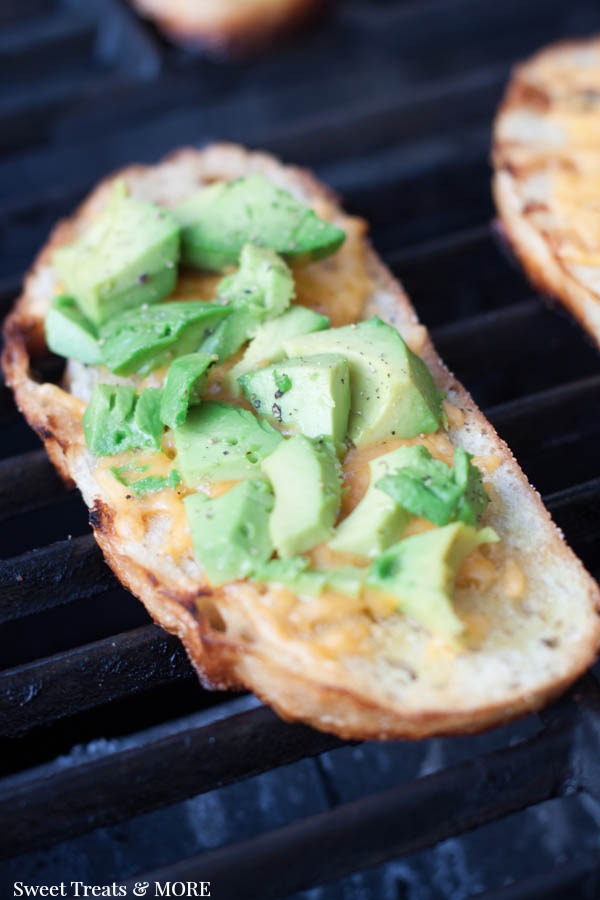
(185, 381)
(141, 340)
(146, 419)
(69, 333)
(147, 484)
(261, 289)
(230, 533)
(220, 219)
(118, 419)
(305, 476)
(420, 573)
(429, 488)
(267, 345)
(127, 257)
(393, 393)
(310, 394)
(377, 521)
(218, 442)
(295, 573)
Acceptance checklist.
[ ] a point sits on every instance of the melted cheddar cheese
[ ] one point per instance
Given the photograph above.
(513, 580)
(134, 513)
(338, 286)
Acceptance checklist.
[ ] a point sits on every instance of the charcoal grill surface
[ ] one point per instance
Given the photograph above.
(115, 763)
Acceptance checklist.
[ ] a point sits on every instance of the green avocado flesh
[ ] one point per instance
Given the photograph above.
(183, 387)
(393, 393)
(230, 533)
(420, 572)
(296, 574)
(220, 219)
(267, 345)
(147, 484)
(118, 419)
(141, 340)
(305, 476)
(310, 395)
(218, 442)
(377, 521)
(261, 289)
(427, 487)
(314, 390)
(69, 333)
(127, 257)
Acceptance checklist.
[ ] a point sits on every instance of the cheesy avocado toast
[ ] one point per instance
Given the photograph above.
(279, 465)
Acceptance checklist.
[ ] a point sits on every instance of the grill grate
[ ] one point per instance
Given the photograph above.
(102, 721)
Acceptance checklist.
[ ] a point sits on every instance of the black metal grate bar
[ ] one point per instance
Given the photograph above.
(69, 682)
(577, 879)
(56, 805)
(388, 825)
(27, 482)
(45, 578)
(30, 50)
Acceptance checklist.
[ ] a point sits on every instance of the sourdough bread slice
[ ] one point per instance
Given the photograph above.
(227, 27)
(547, 173)
(531, 609)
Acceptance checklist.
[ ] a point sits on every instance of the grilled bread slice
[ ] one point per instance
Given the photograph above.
(227, 27)
(547, 173)
(529, 607)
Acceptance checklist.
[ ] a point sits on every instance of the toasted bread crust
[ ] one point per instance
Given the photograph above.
(222, 631)
(544, 129)
(227, 27)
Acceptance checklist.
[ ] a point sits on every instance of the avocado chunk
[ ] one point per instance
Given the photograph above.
(69, 333)
(127, 257)
(420, 572)
(147, 484)
(230, 533)
(118, 419)
(218, 442)
(141, 340)
(429, 488)
(295, 573)
(267, 345)
(305, 477)
(377, 521)
(393, 393)
(310, 394)
(185, 381)
(261, 289)
(220, 219)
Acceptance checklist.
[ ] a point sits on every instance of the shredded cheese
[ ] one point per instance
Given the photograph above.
(513, 580)
(339, 285)
(478, 570)
(454, 414)
(488, 462)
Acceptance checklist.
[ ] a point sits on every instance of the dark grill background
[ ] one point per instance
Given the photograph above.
(115, 761)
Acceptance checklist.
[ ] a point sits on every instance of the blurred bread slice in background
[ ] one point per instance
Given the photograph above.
(228, 27)
(546, 155)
